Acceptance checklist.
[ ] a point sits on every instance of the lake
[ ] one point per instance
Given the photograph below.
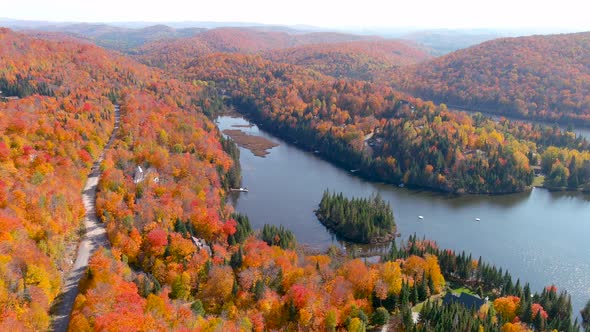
(539, 236)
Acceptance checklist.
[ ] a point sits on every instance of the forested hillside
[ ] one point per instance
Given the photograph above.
(537, 77)
(50, 138)
(366, 60)
(118, 38)
(175, 54)
(172, 265)
(181, 258)
(385, 134)
(175, 261)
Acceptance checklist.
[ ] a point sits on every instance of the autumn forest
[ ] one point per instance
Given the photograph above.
(182, 259)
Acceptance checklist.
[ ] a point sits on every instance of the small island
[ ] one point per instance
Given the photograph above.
(361, 220)
(258, 145)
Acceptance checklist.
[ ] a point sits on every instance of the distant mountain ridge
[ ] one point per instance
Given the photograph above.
(537, 77)
(438, 41)
(234, 40)
(361, 59)
(118, 38)
(445, 41)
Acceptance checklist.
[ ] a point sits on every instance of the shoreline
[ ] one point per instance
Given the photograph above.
(261, 123)
(381, 240)
(362, 172)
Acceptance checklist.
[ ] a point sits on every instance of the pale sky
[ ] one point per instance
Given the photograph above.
(570, 14)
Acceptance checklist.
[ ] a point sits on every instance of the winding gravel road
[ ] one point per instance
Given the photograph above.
(94, 238)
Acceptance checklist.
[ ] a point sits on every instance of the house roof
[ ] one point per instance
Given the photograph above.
(469, 301)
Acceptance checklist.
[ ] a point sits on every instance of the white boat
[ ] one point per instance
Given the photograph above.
(420, 217)
(477, 219)
(240, 189)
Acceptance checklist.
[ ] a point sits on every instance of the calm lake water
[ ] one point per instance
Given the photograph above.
(540, 236)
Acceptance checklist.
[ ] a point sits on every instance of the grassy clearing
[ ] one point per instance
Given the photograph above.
(418, 307)
(437, 297)
(463, 290)
(539, 181)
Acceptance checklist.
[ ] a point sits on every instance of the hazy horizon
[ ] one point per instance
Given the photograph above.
(529, 15)
(384, 31)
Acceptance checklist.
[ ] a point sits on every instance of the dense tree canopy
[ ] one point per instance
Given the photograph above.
(511, 306)
(175, 54)
(360, 220)
(181, 259)
(384, 134)
(50, 137)
(371, 60)
(536, 77)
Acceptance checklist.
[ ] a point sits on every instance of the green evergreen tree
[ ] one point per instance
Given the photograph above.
(586, 315)
(259, 290)
(237, 258)
(278, 236)
(407, 318)
(357, 219)
(197, 308)
(380, 317)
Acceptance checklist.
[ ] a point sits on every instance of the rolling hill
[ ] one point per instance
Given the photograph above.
(233, 40)
(364, 59)
(114, 37)
(56, 113)
(537, 77)
(180, 259)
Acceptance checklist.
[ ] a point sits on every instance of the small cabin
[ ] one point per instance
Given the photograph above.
(476, 152)
(201, 245)
(141, 175)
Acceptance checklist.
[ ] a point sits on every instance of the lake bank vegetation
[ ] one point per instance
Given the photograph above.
(510, 306)
(386, 135)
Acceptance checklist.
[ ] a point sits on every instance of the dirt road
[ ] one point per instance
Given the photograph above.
(94, 238)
